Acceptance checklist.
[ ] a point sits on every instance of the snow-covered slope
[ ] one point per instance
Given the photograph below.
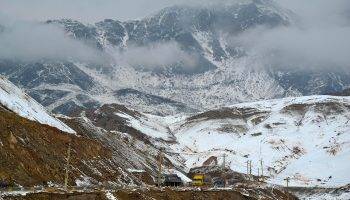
(17, 101)
(149, 125)
(305, 138)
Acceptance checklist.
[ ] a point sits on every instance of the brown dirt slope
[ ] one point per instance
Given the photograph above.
(167, 194)
(34, 154)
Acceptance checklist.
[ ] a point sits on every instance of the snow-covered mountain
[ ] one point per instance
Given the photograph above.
(174, 83)
(33, 144)
(203, 69)
(304, 138)
(14, 99)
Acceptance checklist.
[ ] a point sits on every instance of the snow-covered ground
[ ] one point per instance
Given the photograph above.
(17, 101)
(324, 196)
(110, 196)
(304, 138)
(150, 125)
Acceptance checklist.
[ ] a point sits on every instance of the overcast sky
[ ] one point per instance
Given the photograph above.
(84, 10)
(95, 10)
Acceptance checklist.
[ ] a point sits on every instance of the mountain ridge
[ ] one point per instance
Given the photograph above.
(202, 71)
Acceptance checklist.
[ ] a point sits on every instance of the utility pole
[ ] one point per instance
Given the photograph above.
(160, 163)
(250, 167)
(247, 167)
(67, 167)
(262, 169)
(224, 162)
(287, 181)
(223, 169)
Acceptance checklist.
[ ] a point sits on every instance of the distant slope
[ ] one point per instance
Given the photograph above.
(150, 103)
(17, 101)
(345, 92)
(305, 138)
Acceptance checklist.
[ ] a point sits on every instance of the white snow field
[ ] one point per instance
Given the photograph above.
(304, 138)
(17, 101)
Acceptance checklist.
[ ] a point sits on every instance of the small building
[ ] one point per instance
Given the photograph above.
(172, 180)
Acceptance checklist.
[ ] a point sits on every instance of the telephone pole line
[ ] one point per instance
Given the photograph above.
(262, 169)
(67, 167)
(160, 163)
(223, 168)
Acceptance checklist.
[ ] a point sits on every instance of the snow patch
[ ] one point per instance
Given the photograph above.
(110, 196)
(17, 101)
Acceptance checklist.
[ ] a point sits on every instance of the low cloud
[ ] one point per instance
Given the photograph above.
(31, 41)
(296, 47)
(157, 56)
(27, 41)
(318, 39)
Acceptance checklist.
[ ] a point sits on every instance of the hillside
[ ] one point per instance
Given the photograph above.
(34, 145)
(34, 154)
(303, 138)
(345, 92)
(109, 148)
(17, 101)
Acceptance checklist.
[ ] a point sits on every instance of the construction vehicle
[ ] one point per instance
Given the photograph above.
(201, 180)
(198, 180)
